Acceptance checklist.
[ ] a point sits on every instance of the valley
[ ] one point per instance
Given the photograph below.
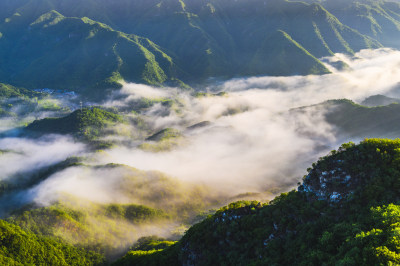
(207, 132)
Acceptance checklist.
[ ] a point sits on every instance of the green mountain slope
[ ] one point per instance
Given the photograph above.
(49, 220)
(235, 32)
(322, 33)
(354, 120)
(73, 53)
(346, 212)
(21, 102)
(205, 38)
(100, 227)
(289, 58)
(10, 92)
(20, 247)
(88, 122)
(377, 19)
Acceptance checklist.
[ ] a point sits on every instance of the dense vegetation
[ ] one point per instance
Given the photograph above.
(10, 92)
(93, 45)
(378, 19)
(76, 53)
(88, 123)
(102, 228)
(19, 247)
(45, 220)
(346, 212)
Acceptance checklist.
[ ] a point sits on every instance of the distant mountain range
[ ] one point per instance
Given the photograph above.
(88, 44)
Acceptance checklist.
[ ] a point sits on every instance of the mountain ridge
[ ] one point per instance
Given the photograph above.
(67, 52)
(166, 42)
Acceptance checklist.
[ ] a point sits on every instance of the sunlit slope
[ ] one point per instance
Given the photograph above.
(104, 227)
(88, 121)
(73, 53)
(21, 247)
(205, 38)
(118, 183)
(132, 203)
(20, 102)
(289, 58)
(377, 19)
(345, 212)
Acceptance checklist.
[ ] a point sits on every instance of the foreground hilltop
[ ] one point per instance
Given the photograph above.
(344, 212)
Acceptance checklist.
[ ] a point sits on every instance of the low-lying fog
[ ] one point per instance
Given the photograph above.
(250, 143)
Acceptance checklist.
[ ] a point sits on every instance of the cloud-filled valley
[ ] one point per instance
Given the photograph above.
(252, 140)
(239, 136)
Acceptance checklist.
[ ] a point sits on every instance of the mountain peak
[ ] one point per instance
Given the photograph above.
(48, 19)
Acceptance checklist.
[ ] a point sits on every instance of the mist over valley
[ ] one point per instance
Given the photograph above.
(144, 133)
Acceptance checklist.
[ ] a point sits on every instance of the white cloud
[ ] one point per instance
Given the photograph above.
(253, 141)
(27, 155)
(263, 144)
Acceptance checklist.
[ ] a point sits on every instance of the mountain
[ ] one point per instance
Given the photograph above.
(379, 100)
(345, 212)
(10, 92)
(17, 102)
(74, 53)
(92, 45)
(377, 19)
(88, 122)
(288, 53)
(357, 121)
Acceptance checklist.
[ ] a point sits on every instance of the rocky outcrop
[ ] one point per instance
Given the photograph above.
(332, 186)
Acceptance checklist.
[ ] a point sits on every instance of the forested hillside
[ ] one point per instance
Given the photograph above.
(170, 41)
(77, 53)
(19, 247)
(177, 132)
(345, 212)
(377, 19)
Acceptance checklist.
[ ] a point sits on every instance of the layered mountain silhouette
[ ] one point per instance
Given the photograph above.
(81, 45)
